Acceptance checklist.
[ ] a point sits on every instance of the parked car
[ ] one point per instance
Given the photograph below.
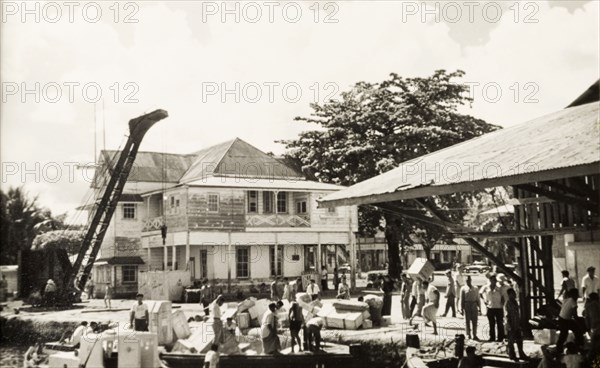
(345, 268)
(477, 267)
(373, 278)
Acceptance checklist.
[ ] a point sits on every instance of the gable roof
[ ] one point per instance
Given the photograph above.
(233, 158)
(239, 159)
(557, 145)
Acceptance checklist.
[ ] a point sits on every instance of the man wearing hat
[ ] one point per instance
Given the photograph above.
(139, 315)
(590, 283)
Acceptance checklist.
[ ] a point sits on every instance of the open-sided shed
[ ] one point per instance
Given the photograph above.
(552, 164)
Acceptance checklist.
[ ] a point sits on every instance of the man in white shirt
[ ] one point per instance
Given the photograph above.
(590, 283)
(494, 300)
(313, 290)
(139, 315)
(78, 333)
(216, 317)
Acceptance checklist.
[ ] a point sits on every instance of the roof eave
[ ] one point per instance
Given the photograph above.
(432, 190)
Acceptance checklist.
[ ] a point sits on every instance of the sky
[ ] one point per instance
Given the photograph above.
(247, 69)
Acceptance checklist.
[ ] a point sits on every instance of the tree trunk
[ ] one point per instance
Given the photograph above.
(427, 248)
(392, 237)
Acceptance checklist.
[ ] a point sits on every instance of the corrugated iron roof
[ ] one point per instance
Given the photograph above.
(519, 154)
(239, 159)
(153, 166)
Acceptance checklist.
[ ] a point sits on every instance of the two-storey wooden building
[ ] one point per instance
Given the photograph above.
(233, 214)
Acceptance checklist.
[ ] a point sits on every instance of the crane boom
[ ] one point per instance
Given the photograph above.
(105, 209)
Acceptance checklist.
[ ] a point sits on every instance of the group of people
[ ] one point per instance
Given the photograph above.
(569, 320)
(108, 292)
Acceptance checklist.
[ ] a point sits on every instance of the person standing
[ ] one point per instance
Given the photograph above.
(494, 300)
(50, 293)
(343, 290)
(590, 283)
(513, 326)
(296, 321)
(91, 289)
(313, 290)
(469, 306)
(433, 304)
(108, 294)
(298, 287)
(591, 313)
(567, 284)
(567, 322)
(211, 359)
(324, 278)
(275, 296)
(387, 287)
(415, 294)
(139, 315)
(336, 278)
(405, 294)
(270, 339)
(288, 294)
(459, 279)
(206, 296)
(450, 294)
(216, 318)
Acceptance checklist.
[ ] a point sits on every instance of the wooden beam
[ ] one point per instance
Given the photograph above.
(436, 212)
(519, 233)
(576, 190)
(565, 198)
(493, 258)
(520, 201)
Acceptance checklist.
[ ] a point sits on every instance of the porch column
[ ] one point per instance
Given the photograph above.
(275, 255)
(229, 255)
(187, 239)
(173, 268)
(352, 244)
(165, 257)
(149, 256)
(318, 255)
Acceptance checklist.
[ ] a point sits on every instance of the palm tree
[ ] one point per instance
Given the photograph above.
(20, 215)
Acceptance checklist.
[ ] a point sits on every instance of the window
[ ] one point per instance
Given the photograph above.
(301, 206)
(279, 260)
(268, 202)
(129, 210)
(213, 203)
(331, 209)
(173, 204)
(252, 201)
(282, 202)
(242, 262)
(129, 274)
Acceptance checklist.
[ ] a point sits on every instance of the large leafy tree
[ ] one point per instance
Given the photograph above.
(21, 220)
(372, 128)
